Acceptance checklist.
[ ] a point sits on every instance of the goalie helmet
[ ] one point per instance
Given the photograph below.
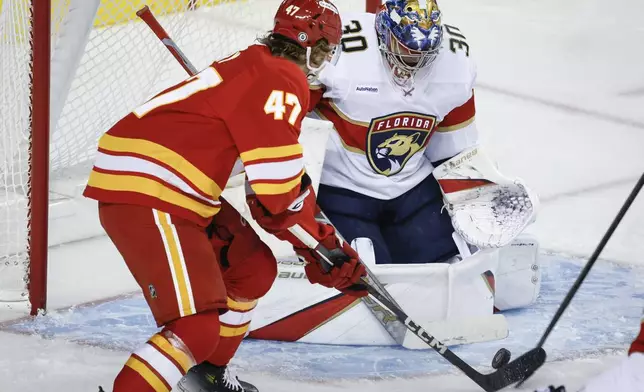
(308, 21)
(409, 34)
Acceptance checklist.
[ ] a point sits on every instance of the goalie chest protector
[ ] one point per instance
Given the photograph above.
(381, 147)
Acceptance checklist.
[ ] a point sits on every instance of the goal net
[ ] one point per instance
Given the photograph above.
(103, 62)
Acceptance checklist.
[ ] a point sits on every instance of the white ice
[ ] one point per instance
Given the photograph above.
(560, 103)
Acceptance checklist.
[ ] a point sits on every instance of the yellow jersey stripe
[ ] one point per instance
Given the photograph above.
(178, 266)
(228, 332)
(271, 152)
(241, 306)
(264, 188)
(179, 356)
(162, 154)
(146, 186)
(147, 374)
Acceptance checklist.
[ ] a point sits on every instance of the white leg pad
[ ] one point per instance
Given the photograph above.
(364, 247)
(518, 277)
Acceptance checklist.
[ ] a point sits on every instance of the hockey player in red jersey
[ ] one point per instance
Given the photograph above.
(627, 376)
(158, 177)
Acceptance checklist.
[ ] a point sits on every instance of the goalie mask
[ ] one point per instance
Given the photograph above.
(409, 34)
(306, 22)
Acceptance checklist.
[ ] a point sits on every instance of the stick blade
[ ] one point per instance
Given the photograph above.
(516, 371)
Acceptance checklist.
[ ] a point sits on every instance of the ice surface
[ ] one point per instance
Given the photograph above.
(559, 104)
(603, 318)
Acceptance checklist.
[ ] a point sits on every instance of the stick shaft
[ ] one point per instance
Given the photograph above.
(148, 17)
(592, 260)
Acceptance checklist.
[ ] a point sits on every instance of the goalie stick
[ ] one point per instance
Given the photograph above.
(591, 262)
(506, 375)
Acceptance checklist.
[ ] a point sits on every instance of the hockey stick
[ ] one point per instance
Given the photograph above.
(506, 375)
(589, 265)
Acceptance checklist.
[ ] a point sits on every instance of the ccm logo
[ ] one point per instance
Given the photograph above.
(432, 341)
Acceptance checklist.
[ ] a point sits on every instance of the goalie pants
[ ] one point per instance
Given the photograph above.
(411, 228)
(200, 284)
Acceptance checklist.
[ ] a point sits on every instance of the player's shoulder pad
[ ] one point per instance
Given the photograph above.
(455, 62)
(285, 75)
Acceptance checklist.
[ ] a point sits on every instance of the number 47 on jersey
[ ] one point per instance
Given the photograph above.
(209, 78)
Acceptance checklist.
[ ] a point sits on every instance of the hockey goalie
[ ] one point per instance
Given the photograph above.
(406, 182)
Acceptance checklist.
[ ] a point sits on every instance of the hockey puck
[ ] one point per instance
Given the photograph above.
(501, 358)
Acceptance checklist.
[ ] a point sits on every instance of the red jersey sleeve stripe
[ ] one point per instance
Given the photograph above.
(352, 133)
(459, 117)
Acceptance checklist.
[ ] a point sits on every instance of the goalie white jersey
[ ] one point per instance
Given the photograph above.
(386, 138)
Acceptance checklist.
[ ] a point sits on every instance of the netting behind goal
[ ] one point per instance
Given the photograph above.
(104, 62)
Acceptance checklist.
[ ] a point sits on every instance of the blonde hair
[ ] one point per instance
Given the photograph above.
(291, 50)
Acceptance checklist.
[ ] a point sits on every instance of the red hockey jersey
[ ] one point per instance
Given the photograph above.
(176, 152)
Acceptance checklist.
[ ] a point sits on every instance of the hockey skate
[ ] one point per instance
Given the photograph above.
(207, 377)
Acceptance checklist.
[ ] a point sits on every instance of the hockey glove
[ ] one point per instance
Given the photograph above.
(347, 269)
(487, 209)
(345, 273)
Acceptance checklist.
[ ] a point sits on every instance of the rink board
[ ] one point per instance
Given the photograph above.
(603, 317)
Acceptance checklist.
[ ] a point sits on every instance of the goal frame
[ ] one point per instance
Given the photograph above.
(38, 215)
(39, 150)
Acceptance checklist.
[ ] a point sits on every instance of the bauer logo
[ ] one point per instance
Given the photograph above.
(463, 158)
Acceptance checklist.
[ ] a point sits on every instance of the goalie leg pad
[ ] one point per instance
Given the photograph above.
(518, 277)
(364, 247)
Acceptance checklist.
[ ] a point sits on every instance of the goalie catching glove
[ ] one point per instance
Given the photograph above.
(347, 270)
(487, 209)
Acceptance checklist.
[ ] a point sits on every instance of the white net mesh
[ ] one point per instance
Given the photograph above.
(104, 62)
(14, 130)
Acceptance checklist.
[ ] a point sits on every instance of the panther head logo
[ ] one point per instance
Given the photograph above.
(397, 148)
(392, 140)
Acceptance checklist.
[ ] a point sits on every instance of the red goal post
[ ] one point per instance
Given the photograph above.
(71, 69)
